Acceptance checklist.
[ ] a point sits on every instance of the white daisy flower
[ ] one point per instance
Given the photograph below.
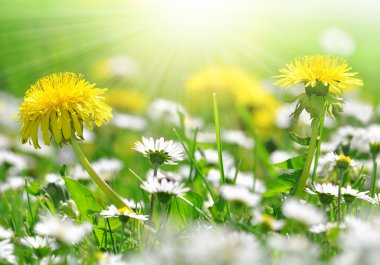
(52, 260)
(131, 122)
(267, 220)
(54, 178)
(166, 111)
(338, 42)
(349, 194)
(237, 137)
(110, 259)
(131, 203)
(323, 228)
(5, 233)
(332, 160)
(239, 194)
(358, 110)
(17, 163)
(325, 191)
(122, 212)
(39, 242)
(160, 151)
(63, 229)
(7, 252)
(12, 183)
(164, 188)
(302, 212)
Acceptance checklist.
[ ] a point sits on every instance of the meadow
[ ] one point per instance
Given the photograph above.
(178, 132)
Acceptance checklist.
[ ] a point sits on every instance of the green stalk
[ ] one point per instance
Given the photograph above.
(341, 173)
(152, 197)
(218, 141)
(111, 194)
(374, 177)
(309, 158)
(318, 152)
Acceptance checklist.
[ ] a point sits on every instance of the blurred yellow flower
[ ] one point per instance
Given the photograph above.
(231, 83)
(331, 71)
(128, 101)
(59, 104)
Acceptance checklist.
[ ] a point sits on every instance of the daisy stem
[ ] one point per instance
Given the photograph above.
(374, 177)
(111, 194)
(309, 158)
(152, 197)
(341, 174)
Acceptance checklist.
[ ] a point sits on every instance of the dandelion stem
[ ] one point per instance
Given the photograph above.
(374, 177)
(111, 194)
(309, 158)
(318, 151)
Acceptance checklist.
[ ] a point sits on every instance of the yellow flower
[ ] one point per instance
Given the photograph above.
(59, 104)
(234, 84)
(331, 71)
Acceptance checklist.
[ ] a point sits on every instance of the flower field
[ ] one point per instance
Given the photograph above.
(189, 132)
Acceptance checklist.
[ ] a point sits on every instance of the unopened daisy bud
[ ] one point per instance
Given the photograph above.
(374, 148)
(160, 151)
(60, 104)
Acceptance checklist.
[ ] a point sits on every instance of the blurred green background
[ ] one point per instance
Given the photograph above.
(155, 46)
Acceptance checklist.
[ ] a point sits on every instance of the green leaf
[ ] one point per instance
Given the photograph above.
(299, 139)
(83, 198)
(218, 141)
(219, 211)
(296, 163)
(283, 183)
(34, 188)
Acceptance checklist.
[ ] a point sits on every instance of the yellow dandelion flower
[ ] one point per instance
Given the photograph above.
(331, 71)
(59, 104)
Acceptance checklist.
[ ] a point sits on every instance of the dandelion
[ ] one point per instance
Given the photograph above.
(59, 104)
(331, 72)
(160, 151)
(122, 213)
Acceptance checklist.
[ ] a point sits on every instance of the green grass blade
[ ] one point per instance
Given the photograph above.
(218, 141)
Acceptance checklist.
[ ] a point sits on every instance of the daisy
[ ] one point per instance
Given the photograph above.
(160, 151)
(325, 191)
(267, 220)
(5, 233)
(302, 212)
(239, 194)
(7, 252)
(39, 242)
(63, 229)
(164, 188)
(325, 69)
(349, 194)
(323, 228)
(110, 259)
(123, 213)
(60, 104)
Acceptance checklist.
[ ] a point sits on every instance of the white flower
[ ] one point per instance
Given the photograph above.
(17, 162)
(5, 233)
(12, 183)
(54, 179)
(63, 229)
(52, 260)
(165, 185)
(322, 228)
(359, 110)
(121, 65)
(331, 160)
(349, 194)
(337, 42)
(131, 203)
(107, 168)
(166, 111)
(7, 252)
(39, 242)
(115, 212)
(111, 259)
(294, 249)
(267, 220)
(279, 156)
(302, 212)
(325, 191)
(211, 157)
(240, 194)
(237, 137)
(131, 122)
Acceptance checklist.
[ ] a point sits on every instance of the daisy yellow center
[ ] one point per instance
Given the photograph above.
(59, 104)
(331, 71)
(124, 210)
